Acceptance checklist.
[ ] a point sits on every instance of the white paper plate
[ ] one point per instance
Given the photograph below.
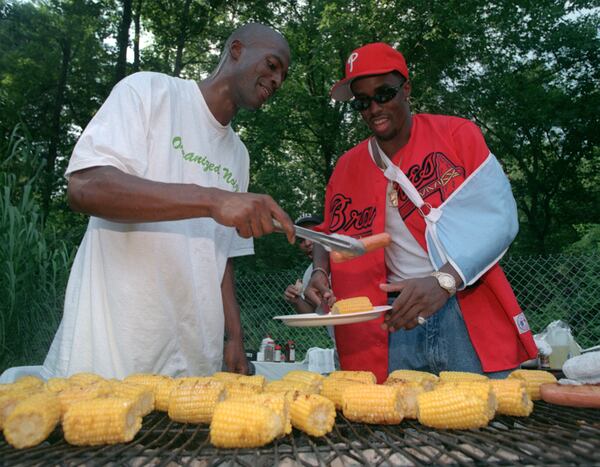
(307, 320)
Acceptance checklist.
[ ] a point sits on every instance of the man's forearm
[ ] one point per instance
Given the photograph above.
(112, 194)
(231, 308)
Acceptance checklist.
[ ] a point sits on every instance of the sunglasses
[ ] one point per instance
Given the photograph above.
(382, 95)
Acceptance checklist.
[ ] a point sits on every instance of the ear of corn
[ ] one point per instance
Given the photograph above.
(256, 380)
(371, 403)
(512, 397)
(428, 380)
(160, 384)
(480, 389)
(32, 420)
(408, 390)
(280, 404)
(85, 378)
(352, 305)
(107, 420)
(452, 409)
(162, 393)
(533, 380)
(454, 376)
(194, 400)
(237, 390)
(366, 377)
(10, 399)
(313, 414)
(309, 378)
(225, 376)
(75, 393)
(237, 424)
(57, 385)
(285, 386)
(142, 396)
(333, 389)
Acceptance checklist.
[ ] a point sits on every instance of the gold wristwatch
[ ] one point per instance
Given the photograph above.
(446, 281)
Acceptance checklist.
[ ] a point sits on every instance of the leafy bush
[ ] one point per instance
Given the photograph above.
(34, 263)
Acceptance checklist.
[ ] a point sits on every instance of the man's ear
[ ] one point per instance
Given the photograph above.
(235, 49)
(407, 89)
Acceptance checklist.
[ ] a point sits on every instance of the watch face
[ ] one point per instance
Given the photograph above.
(446, 282)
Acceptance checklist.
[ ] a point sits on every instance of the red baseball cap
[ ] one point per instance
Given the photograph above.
(371, 59)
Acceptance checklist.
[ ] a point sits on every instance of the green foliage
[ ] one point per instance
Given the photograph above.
(33, 264)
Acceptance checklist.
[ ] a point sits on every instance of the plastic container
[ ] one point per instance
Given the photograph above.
(290, 351)
(277, 354)
(267, 347)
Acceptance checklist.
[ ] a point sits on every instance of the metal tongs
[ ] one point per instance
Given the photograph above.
(335, 242)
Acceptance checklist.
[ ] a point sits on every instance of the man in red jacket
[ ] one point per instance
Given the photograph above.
(412, 169)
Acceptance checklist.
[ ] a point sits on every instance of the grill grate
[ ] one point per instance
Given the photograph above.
(551, 435)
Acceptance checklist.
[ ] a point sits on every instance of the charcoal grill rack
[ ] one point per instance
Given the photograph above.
(552, 435)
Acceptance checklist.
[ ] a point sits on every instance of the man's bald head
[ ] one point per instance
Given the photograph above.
(253, 33)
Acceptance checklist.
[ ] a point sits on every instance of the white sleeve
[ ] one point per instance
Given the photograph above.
(242, 246)
(116, 136)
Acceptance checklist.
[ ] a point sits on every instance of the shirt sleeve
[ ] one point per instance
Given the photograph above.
(116, 135)
(241, 246)
(469, 142)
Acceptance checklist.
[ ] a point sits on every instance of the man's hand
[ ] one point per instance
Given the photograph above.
(318, 290)
(234, 357)
(251, 214)
(418, 297)
(291, 294)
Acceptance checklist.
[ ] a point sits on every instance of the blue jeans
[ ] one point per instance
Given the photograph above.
(442, 343)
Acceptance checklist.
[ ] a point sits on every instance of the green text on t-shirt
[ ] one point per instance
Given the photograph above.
(206, 164)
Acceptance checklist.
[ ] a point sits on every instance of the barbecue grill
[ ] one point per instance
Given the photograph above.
(552, 435)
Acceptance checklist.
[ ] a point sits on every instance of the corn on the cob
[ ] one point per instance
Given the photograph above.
(481, 389)
(512, 397)
(32, 420)
(237, 424)
(85, 378)
(452, 409)
(225, 376)
(237, 390)
(279, 403)
(285, 386)
(142, 396)
(313, 414)
(428, 380)
(351, 305)
(147, 379)
(10, 399)
(310, 378)
(453, 376)
(106, 420)
(409, 391)
(162, 393)
(29, 382)
(194, 400)
(373, 403)
(333, 389)
(57, 385)
(367, 377)
(533, 380)
(255, 380)
(75, 393)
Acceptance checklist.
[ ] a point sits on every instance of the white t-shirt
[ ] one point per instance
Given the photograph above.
(146, 297)
(404, 257)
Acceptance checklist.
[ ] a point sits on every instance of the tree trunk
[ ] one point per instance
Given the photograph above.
(181, 37)
(123, 41)
(136, 38)
(55, 126)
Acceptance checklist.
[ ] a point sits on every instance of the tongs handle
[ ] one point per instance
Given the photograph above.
(342, 243)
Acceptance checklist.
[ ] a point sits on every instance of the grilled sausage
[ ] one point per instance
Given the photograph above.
(371, 243)
(586, 395)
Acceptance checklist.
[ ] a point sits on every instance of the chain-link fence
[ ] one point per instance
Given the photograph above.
(548, 288)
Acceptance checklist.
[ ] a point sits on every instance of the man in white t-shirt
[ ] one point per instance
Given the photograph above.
(164, 178)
